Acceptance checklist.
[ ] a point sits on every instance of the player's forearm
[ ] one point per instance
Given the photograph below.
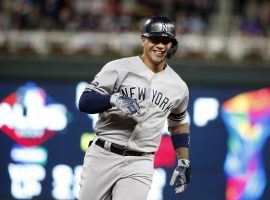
(180, 138)
(182, 153)
(181, 128)
(92, 102)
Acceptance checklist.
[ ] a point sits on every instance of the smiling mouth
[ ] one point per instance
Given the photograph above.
(158, 52)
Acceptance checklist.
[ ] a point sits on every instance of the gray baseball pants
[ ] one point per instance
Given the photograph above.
(109, 176)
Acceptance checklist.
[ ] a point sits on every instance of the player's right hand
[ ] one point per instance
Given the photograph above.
(127, 105)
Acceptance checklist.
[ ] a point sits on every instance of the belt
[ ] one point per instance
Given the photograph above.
(121, 150)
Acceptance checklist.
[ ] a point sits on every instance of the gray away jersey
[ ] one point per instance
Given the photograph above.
(161, 96)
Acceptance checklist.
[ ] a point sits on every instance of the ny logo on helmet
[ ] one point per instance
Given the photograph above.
(164, 27)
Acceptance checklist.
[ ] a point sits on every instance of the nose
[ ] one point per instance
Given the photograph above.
(160, 45)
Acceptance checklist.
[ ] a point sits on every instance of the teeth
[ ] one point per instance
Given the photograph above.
(159, 52)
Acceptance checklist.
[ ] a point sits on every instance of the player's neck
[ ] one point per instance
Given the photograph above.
(153, 66)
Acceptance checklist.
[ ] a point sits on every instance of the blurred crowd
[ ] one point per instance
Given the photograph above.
(101, 15)
(255, 17)
(127, 15)
(74, 26)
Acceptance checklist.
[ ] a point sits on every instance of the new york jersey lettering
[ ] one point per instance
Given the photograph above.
(136, 93)
(158, 98)
(161, 100)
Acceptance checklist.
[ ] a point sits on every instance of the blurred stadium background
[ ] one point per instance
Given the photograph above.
(49, 49)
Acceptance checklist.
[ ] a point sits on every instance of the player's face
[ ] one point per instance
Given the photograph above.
(156, 49)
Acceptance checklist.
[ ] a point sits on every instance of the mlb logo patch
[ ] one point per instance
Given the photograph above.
(94, 83)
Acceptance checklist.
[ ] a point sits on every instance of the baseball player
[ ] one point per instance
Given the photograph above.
(134, 96)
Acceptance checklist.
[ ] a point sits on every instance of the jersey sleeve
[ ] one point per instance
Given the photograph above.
(178, 114)
(105, 82)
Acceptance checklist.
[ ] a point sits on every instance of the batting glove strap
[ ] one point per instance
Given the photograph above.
(181, 176)
(127, 105)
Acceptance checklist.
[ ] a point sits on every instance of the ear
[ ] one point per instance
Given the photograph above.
(143, 40)
(171, 44)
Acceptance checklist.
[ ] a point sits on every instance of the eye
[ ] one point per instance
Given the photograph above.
(157, 40)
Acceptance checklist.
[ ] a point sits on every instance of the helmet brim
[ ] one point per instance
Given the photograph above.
(159, 34)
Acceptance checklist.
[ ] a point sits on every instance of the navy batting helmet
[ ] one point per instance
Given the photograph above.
(162, 27)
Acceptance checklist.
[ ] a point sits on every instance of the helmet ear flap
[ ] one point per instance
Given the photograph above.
(172, 50)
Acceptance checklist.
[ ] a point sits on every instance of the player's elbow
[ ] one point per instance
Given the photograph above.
(92, 103)
(84, 105)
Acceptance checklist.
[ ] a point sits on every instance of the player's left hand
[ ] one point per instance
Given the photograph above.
(127, 105)
(181, 176)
